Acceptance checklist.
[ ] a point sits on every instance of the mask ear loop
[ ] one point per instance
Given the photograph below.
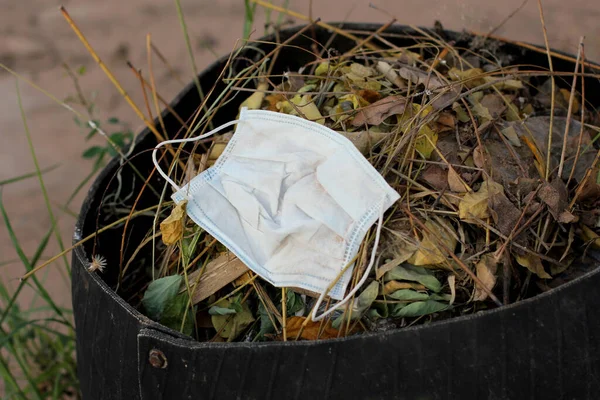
(314, 316)
(204, 136)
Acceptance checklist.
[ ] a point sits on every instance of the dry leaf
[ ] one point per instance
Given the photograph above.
(486, 272)
(590, 236)
(430, 252)
(312, 330)
(425, 141)
(470, 78)
(364, 140)
(555, 195)
(504, 213)
(436, 176)
(391, 264)
(452, 285)
(389, 73)
(254, 101)
(512, 136)
(219, 272)
(455, 182)
(392, 286)
(532, 263)
(172, 227)
(377, 112)
(475, 204)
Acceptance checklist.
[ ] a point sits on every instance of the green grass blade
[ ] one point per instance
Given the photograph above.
(34, 260)
(26, 176)
(188, 44)
(9, 378)
(250, 10)
(28, 266)
(41, 180)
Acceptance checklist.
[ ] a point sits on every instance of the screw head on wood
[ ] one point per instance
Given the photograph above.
(157, 359)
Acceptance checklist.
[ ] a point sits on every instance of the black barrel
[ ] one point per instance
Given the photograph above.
(546, 347)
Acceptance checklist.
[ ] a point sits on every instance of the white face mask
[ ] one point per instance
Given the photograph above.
(290, 198)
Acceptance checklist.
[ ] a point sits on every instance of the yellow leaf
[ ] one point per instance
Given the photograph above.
(255, 100)
(475, 204)
(508, 84)
(308, 107)
(425, 142)
(534, 264)
(172, 227)
(312, 330)
(430, 251)
(392, 286)
(472, 77)
(461, 114)
(590, 236)
(322, 69)
(486, 272)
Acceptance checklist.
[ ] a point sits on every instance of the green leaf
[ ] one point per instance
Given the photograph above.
(159, 293)
(230, 326)
(93, 152)
(414, 274)
(81, 70)
(216, 310)
(114, 120)
(266, 326)
(294, 303)
(408, 295)
(174, 312)
(360, 304)
(419, 308)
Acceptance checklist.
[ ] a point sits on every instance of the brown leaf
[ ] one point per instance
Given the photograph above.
(555, 195)
(504, 213)
(494, 104)
(390, 74)
(312, 330)
(369, 95)
(455, 182)
(539, 127)
(377, 112)
(436, 176)
(172, 227)
(486, 272)
(219, 272)
(532, 263)
(446, 121)
(444, 98)
(364, 140)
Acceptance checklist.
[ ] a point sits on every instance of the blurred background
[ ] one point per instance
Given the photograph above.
(36, 42)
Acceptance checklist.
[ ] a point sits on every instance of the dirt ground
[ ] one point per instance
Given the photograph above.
(35, 41)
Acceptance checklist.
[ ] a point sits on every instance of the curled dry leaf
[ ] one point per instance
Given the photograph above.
(389, 73)
(254, 101)
(377, 112)
(486, 272)
(172, 227)
(312, 330)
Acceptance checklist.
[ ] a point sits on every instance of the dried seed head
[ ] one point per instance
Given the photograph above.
(98, 263)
